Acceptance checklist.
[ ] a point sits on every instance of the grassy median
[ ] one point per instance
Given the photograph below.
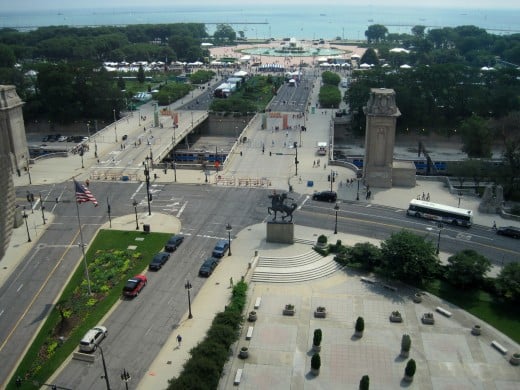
(110, 264)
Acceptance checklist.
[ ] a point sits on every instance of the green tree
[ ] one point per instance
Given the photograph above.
(329, 96)
(367, 254)
(7, 57)
(477, 137)
(376, 33)
(418, 31)
(409, 257)
(121, 83)
(140, 75)
(364, 383)
(330, 78)
(224, 33)
(508, 282)
(467, 269)
(370, 57)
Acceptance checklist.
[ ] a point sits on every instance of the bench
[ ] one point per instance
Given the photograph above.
(238, 376)
(367, 280)
(391, 288)
(443, 311)
(258, 302)
(249, 333)
(499, 347)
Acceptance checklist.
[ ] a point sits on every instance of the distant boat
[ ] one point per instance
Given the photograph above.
(370, 20)
(323, 14)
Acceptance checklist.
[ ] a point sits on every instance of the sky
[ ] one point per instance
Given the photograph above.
(18, 5)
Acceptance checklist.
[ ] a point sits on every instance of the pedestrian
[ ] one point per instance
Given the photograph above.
(313, 163)
(494, 225)
(428, 196)
(179, 339)
(231, 282)
(423, 197)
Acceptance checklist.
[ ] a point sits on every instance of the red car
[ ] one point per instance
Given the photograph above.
(134, 285)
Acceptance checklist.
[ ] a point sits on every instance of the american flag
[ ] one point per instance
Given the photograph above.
(83, 194)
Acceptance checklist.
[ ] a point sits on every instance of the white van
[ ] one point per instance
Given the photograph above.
(92, 338)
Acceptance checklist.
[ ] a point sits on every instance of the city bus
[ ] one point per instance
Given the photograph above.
(440, 213)
(322, 149)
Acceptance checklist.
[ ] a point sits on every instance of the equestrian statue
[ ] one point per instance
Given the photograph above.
(278, 205)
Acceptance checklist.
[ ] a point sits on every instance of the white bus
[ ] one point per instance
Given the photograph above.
(322, 149)
(440, 213)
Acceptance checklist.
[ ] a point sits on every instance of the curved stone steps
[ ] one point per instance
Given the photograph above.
(294, 261)
(315, 270)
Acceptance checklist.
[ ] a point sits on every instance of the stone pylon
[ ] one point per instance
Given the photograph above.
(381, 116)
(13, 155)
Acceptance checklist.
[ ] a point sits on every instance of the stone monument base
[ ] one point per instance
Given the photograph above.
(281, 232)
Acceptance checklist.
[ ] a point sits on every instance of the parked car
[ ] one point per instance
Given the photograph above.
(206, 269)
(509, 231)
(124, 137)
(62, 138)
(173, 243)
(220, 248)
(325, 196)
(134, 286)
(92, 338)
(158, 261)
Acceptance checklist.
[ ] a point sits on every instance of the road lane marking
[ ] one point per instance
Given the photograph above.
(31, 303)
(182, 209)
(19, 288)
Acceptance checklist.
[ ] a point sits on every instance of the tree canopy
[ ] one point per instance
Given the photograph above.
(409, 257)
(467, 269)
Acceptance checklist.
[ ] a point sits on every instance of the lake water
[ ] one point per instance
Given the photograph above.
(309, 22)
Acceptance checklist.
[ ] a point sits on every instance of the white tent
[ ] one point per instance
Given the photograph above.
(355, 56)
(364, 65)
(405, 66)
(399, 50)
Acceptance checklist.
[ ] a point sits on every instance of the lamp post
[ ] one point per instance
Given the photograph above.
(147, 177)
(25, 216)
(296, 162)
(175, 171)
(125, 377)
(336, 209)
(104, 368)
(357, 196)
(134, 203)
(95, 149)
(88, 130)
(42, 208)
(460, 197)
(440, 226)
(229, 228)
(115, 123)
(188, 286)
(28, 170)
(139, 117)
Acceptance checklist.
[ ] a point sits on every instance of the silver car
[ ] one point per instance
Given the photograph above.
(92, 338)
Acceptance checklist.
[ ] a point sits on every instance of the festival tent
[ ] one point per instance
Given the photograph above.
(399, 50)
(405, 66)
(364, 65)
(355, 56)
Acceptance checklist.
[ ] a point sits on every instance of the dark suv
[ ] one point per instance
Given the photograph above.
(509, 231)
(206, 269)
(220, 249)
(158, 261)
(325, 196)
(173, 243)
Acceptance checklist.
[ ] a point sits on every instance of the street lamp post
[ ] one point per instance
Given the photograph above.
(175, 171)
(440, 226)
(42, 208)
(357, 196)
(28, 170)
(115, 123)
(460, 197)
(25, 216)
(125, 377)
(95, 149)
(336, 209)
(104, 368)
(188, 286)
(134, 203)
(88, 130)
(147, 177)
(229, 228)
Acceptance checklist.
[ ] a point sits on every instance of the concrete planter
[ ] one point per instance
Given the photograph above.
(289, 310)
(417, 298)
(408, 379)
(476, 330)
(320, 312)
(358, 334)
(404, 354)
(428, 319)
(316, 348)
(244, 353)
(315, 371)
(252, 316)
(396, 317)
(515, 359)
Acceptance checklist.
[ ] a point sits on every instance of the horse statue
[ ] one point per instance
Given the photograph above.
(278, 205)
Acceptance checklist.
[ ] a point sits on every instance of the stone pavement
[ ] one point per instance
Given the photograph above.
(448, 356)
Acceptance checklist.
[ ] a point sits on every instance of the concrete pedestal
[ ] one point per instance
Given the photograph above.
(281, 232)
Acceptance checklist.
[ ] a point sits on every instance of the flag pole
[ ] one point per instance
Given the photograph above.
(82, 245)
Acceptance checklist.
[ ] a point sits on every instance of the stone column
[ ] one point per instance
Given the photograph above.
(381, 116)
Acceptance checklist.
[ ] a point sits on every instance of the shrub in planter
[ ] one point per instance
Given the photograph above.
(515, 359)
(409, 370)
(406, 344)
(321, 312)
(316, 340)
(360, 326)
(322, 239)
(364, 383)
(289, 310)
(244, 353)
(315, 363)
(396, 317)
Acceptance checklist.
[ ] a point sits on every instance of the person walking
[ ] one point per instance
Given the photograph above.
(179, 340)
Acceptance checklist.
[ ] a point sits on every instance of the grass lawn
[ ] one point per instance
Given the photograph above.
(503, 316)
(108, 276)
